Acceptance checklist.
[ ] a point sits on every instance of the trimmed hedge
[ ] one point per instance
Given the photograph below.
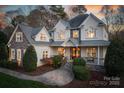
(30, 59)
(79, 61)
(57, 61)
(81, 72)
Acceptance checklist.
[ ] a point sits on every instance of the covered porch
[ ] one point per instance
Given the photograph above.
(92, 51)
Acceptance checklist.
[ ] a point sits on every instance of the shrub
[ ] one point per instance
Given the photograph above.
(79, 61)
(3, 38)
(3, 63)
(30, 59)
(3, 52)
(10, 65)
(114, 60)
(81, 72)
(57, 61)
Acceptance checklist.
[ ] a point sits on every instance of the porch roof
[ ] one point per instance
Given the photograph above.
(94, 43)
(82, 43)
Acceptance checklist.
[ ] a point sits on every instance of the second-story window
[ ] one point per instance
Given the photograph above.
(91, 34)
(19, 37)
(75, 34)
(61, 36)
(43, 37)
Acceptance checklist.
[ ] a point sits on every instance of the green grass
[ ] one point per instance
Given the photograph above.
(7, 81)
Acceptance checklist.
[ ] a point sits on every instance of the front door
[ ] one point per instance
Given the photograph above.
(75, 52)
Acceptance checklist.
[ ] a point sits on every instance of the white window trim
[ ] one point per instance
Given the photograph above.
(43, 36)
(20, 36)
(19, 57)
(89, 32)
(12, 53)
(44, 54)
(91, 52)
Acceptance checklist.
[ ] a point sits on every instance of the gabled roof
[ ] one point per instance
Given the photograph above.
(76, 21)
(29, 33)
(100, 21)
(67, 42)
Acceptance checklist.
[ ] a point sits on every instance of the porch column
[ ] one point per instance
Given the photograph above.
(98, 58)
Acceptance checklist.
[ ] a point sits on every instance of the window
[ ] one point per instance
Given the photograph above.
(19, 54)
(43, 37)
(19, 37)
(61, 51)
(91, 52)
(24, 50)
(12, 53)
(75, 52)
(61, 35)
(45, 54)
(91, 34)
(75, 34)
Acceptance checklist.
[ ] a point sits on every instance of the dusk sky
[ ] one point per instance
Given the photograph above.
(95, 9)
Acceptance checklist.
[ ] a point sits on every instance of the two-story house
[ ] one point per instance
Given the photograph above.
(82, 36)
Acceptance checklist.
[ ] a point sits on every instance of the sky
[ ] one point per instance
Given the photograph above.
(25, 10)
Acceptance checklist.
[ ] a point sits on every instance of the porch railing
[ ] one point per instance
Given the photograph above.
(94, 61)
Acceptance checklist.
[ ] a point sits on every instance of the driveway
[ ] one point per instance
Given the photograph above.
(58, 77)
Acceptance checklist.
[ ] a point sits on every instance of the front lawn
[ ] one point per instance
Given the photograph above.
(7, 81)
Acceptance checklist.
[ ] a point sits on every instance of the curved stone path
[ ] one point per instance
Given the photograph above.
(58, 77)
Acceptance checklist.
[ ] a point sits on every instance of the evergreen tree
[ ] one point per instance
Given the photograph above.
(114, 60)
(30, 59)
(59, 10)
(3, 52)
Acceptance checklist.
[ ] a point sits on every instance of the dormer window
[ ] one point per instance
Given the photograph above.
(19, 37)
(61, 36)
(43, 37)
(75, 34)
(91, 34)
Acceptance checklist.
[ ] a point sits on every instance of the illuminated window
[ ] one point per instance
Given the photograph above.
(91, 52)
(43, 37)
(75, 34)
(12, 53)
(61, 35)
(19, 54)
(75, 52)
(91, 34)
(19, 37)
(45, 54)
(61, 51)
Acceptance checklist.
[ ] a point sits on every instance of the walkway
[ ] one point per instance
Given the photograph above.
(58, 77)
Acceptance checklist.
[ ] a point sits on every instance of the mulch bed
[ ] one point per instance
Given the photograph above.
(97, 80)
(40, 70)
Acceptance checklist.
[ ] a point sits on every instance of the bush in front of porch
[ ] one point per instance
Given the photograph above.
(57, 61)
(80, 70)
(79, 61)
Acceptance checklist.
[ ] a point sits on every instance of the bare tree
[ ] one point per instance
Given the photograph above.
(113, 20)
